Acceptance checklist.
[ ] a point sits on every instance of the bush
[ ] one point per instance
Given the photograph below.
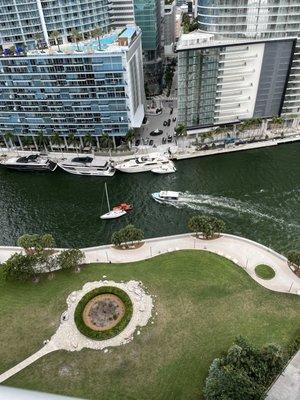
(209, 226)
(70, 259)
(264, 271)
(102, 335)
(128, 234)
(35, 243)
(19, 267)
(244, 372)
(293, 257)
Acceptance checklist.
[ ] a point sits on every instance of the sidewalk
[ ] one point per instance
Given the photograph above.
(245, 253)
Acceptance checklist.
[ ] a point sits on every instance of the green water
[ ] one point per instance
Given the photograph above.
(256, 192)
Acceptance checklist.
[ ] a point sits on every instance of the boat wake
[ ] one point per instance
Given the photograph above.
(224, 206)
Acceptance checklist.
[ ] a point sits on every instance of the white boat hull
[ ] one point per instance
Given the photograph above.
(164, 170)
(87, 171)
(113, 214)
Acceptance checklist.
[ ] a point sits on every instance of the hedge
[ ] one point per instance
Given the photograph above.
(121, 325)
(264, 271)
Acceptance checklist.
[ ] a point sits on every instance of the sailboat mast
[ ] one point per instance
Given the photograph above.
(107, 199)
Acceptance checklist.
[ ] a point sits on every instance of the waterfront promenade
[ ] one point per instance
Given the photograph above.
(245, 253)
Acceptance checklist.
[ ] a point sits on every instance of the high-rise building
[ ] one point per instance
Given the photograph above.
(258, 19)
(223, 81)
(121, 12)
(91, 87)
(148, 17)
(169, 20)
(26, 22)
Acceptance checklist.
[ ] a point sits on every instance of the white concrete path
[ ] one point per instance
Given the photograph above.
(244, 252)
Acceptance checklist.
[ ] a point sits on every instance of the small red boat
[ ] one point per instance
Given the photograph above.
(124, 207)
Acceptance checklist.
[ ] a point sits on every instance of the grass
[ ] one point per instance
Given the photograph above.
(203, 301)
(264, 271)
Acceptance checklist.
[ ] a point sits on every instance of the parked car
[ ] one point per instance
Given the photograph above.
(137, 142)
(169, 122)
(171, 111)
(145, 120)
(146, 141)
(170, 138)
(165, 123)
(164, 140)
(151, 142)
(174, 119)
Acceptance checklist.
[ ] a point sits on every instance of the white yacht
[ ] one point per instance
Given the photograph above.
(166, 196)
(33, 162)
(167, 168)
(87, 166)
(143, 164)
(117, 211)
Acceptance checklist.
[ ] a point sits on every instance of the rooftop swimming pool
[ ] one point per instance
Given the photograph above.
(93, 44)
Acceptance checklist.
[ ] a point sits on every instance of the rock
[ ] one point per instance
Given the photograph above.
(138, 332)
(105, 351)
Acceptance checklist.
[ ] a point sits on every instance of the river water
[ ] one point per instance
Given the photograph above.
(256, 192)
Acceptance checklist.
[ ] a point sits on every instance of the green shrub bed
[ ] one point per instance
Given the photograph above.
(102, 335)
(264, 271)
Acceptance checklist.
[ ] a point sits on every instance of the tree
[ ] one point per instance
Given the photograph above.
(19, 267)
(130, 136)
(55, 35)
(56, 139)
(88, 139)
(106, 141)
(41, 140)
(244, 372)
(76, 37)
(293, 257)
(128, 234)
(97, 33)
(72, 139)
(37, 38)
(46, 241)
(28, 242)
(8, 136)
(180, 130)
(70, 259)
(209, 226)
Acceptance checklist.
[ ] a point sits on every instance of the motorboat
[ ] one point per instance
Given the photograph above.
(143, 164)
(87, 166)
(33, 162)
(117, 211)
(167, 168)
(166, 196)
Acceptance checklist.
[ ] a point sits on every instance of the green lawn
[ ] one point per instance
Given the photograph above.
(203, 301)
(264, 271)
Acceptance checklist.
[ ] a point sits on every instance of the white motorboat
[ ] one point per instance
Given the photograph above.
(166, 196)
(116, 212)
(167, 168)
(87, 166)
(143, 164)
(32, 163)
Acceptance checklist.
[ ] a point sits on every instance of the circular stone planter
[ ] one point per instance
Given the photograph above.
(264, 272)
(103, 312)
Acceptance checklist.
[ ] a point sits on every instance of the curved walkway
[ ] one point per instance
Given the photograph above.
(243, 252)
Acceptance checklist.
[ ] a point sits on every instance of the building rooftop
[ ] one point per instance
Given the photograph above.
(117, 40)
(199, 39)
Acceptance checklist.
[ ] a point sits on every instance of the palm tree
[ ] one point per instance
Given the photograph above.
(76, 36)
(55, 35)
(97, 33)
(8, 136)
(88, 139)
(56, 139)
(129, 137)
(72, 140)
(41, 140)
(37, 37)
(106, 141)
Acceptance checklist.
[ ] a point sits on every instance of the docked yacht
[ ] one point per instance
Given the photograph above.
(34, 162)
(143, 164)
(167, 168)
(87, 166)
(166, 196)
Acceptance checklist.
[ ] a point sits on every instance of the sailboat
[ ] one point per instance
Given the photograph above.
(116, 212)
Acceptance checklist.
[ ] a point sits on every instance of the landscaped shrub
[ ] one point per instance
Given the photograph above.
(19, 267)
(244, 373)
(128, 234)
(102, 335)
(207, 225)
(70, 259)
(264, 271)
